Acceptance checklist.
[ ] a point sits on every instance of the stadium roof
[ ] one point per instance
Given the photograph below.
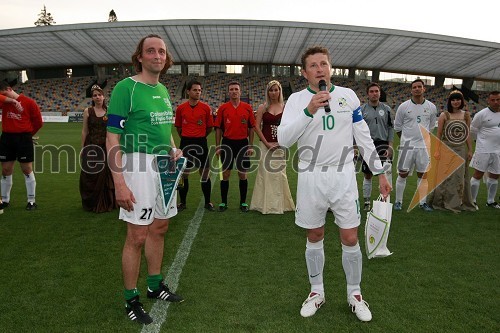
(258, 42)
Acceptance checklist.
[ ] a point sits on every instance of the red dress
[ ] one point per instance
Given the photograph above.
(270, 123)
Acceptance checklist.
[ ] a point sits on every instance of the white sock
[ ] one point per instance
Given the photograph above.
(492, 185)
(367, 188)
(30, 186)
(6, 184)
(474, 187)
(422, 187)
(400, 188)
(315, 261)
(352, 261)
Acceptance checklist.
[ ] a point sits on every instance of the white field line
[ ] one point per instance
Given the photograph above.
(159, 310)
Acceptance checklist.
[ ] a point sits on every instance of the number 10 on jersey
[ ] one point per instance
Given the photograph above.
(328, 122)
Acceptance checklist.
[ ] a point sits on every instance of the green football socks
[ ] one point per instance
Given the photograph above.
(154, 281)
(131, 293)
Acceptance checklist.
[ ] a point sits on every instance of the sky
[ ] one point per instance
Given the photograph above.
(478, 19)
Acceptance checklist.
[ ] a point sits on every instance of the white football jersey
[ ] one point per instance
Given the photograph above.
(409, 116)
(326, 138)
(486, 127)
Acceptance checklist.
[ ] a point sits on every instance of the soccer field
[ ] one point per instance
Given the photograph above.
(61, 266)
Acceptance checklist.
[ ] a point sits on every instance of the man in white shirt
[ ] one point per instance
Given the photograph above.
(486, 128)
(410, 115)
(326, 175)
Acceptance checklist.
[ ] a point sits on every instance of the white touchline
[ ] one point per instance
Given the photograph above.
(159, 310)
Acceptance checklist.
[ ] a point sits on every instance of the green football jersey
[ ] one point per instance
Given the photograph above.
(143, 115)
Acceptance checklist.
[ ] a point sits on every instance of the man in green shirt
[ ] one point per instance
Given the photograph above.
(140, 121)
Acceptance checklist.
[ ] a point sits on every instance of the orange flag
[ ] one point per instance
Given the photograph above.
(439, 169)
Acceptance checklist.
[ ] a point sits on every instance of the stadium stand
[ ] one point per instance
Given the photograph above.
(69, 94)
(57, 95)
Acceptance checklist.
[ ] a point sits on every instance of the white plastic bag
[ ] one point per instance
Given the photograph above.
(378, 223)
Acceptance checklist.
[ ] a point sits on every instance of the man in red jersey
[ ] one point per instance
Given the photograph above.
(234, 125)
(18, 128)
(5, 99)
(194, 121)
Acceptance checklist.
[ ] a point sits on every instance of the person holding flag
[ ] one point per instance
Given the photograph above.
(140, 119)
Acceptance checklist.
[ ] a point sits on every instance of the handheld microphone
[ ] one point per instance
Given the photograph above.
(322, 87)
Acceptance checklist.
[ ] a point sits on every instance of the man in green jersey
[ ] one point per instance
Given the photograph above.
(140, 119)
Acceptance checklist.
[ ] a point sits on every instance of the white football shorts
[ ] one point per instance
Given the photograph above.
(417, 157)
(142, 179)
(486, 162)
(323, 188)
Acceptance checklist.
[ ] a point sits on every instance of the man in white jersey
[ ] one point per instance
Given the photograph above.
(326, 175)
(410, 115)
(140, 118)
(486, 128)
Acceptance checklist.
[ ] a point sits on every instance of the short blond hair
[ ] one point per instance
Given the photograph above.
(313, 50)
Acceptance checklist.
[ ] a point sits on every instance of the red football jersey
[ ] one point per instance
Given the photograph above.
(235, 122)
(194, 121)
(27, 121)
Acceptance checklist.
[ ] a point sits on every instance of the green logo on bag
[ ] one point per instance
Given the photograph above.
(372, 240)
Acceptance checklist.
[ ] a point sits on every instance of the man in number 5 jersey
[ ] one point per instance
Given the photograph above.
(410, 115)
(326, 175)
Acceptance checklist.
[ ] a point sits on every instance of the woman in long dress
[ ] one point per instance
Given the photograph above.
(96, 182)
(271, 193)
(453, 131)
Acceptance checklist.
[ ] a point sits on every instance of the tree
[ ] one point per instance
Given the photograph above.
(44, 18)
(112, 16)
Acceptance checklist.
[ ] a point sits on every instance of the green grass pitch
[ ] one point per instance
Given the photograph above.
(61, 266)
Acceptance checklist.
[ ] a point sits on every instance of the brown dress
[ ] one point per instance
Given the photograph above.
(96, 182)
(454, 193)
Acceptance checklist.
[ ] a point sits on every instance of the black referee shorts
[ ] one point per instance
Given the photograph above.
(234, 150)
(195, 150)
(17, 146)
